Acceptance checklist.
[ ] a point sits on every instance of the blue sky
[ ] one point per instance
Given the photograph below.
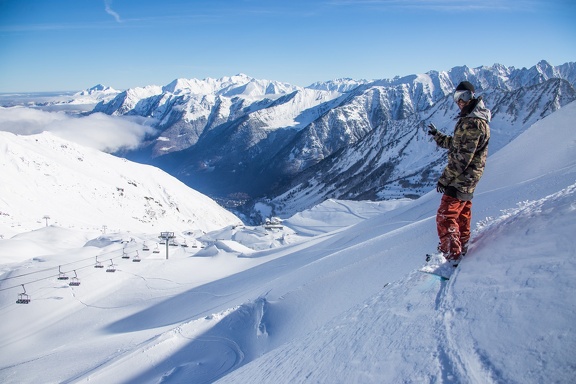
(53, 45)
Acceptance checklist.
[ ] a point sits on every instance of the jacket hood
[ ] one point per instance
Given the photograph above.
(480, 111)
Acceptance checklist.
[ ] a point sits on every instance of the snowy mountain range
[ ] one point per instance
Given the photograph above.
(238, 138)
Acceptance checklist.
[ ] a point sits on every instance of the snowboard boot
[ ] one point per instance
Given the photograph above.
(454, 260)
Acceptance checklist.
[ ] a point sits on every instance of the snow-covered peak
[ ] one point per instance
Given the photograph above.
(130, 99)
(194, 86)
(238, 85)
(338, 85)
(97, 90)
(144, 92)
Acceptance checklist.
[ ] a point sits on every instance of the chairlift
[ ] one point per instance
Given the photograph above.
(156, 250)
(111, 267)
(98, 264)
(61, 275)
(184, 244)
(125, 255)
(75, 281)
(136, 259)
(23, 298)
(145, 247)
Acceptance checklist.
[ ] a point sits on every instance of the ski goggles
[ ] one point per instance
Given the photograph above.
(464, 95)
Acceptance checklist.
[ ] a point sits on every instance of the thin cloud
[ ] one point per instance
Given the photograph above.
(110, 11)
(99, 131)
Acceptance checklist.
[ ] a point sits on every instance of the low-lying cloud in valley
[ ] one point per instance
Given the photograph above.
(98, 130)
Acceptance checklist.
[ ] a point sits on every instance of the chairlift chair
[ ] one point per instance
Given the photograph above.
(23, 298)
(111, 267)
(125, 255)
(61, 275)
(75, 281)
(98, 264)
(136, 259)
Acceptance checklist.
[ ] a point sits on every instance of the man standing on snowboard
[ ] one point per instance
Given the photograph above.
(467, 152)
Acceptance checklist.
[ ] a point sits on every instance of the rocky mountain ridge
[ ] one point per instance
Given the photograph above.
(239, 138)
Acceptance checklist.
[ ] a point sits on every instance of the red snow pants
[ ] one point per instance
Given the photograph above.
(453, 224)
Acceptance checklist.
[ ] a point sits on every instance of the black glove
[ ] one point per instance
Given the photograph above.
(432, 129)
(440, 187)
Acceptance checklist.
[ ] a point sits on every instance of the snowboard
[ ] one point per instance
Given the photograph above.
(437, 265)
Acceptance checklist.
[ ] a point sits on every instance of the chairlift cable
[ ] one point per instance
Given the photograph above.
(56, 267)
(53, 268)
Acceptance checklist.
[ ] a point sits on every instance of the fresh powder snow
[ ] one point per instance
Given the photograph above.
(332, 295)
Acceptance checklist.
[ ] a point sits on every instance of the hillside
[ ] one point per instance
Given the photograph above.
(346, 305)
(83, 188)
(506, 315)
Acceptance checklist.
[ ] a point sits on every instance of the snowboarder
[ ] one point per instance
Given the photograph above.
(467, 152)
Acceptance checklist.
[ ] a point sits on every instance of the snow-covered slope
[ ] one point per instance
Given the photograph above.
(507, 315)
(343, 306)
(79, 187)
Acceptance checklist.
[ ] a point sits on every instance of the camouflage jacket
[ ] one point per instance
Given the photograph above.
(467, 150)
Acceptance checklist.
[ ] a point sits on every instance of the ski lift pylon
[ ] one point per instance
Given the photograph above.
(23, 298)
